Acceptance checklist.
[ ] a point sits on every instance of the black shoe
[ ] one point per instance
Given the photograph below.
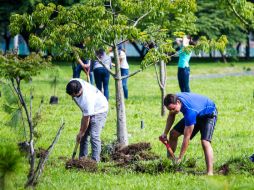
(252, 158)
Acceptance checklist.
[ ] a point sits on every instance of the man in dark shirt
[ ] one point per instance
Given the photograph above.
(200, 114)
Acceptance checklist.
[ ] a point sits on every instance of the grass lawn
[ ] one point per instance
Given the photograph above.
(232, 140)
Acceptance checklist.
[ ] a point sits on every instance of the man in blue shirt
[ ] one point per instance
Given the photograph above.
(200, 114)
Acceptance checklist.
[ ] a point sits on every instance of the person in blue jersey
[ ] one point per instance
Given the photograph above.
(199, 115)
(183, 72)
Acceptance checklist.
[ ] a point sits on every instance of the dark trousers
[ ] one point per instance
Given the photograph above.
(183, 75)
(125, 72)
(101, 76)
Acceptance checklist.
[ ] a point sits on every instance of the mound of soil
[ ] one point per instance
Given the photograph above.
(238, 165)
(224, 169)
(83, 163)
(134, 152)
(24, 147)
(41, 153)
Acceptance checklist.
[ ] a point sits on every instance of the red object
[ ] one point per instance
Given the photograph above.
(166, 143)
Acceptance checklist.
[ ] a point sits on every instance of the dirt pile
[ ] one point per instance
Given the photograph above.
(224, 169)
(238, 165)
(83, 163)
(134, 152)
(24, 147)
(41, 153)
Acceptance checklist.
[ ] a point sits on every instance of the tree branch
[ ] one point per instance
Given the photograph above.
(238, 15)
(157, 76)
(130, 75)
(140, 18)
(111, 72)
(43, 160)
(22, 101)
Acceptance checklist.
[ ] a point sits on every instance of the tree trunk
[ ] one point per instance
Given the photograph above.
(122, 135)
(163, 77)
(2, 182)
(238, 49)
(31, 129)
(223, 57)
(247, 48)
(7, 38)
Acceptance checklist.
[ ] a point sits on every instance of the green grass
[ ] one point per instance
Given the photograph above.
(233, 136)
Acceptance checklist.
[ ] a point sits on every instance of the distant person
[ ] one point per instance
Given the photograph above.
(124, 70)
(183, 73)
(94, 107)
(86, 66)
(199, 114)
(101, 74)
(82, 64)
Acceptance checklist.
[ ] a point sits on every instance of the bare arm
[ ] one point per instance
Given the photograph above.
(84, 66)
(186, 139)
(84, 125)
(170, 121)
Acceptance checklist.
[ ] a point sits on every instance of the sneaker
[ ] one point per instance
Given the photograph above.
(252, 158)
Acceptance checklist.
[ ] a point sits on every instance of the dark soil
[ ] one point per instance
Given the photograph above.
(83, 163)
(41, 153)
(134, 152)
(224, 169)
(238, 165)
(24, 147)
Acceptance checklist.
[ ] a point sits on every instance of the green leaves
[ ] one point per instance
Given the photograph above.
(11, 106)
(12, 66)
(10, 158)
(206, 45)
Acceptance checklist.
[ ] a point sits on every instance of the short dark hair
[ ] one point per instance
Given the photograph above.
(170, 99)
(100, 52)
(73, 87)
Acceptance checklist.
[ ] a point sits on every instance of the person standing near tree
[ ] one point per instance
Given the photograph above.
(101, 74)
(86, 66)
(183, 73)
(199, 114)
(82, 64)
(124, 70)
(94, 107)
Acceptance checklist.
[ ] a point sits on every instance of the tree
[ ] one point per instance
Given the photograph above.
(244, 12)
(16, 70)
(9, 7)
(214, 21)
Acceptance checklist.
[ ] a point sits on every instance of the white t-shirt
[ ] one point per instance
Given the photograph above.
(92, 101)
(124, 63)
(105, 59)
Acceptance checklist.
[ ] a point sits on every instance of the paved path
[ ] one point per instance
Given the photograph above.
(221, 75)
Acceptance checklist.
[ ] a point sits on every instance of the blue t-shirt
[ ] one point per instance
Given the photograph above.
(195, 105)
(184, 58)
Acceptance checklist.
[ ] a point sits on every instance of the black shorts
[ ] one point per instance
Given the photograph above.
(203, 124)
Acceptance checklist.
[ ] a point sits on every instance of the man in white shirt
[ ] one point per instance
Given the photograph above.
(94, 107)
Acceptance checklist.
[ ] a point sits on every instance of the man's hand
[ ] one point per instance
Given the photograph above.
(163, 136)
(79, 137)
(177, 161)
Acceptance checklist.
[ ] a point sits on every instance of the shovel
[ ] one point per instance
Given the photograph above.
(75, 151)
(166, 143)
